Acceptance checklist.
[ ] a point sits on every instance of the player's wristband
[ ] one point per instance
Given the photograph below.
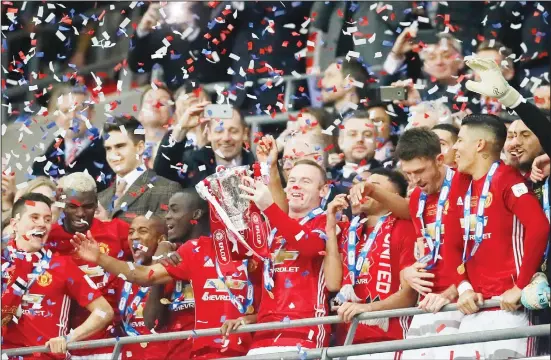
(464, 286)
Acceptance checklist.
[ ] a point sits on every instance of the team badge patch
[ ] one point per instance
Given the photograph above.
(44, 279)
(519, 189)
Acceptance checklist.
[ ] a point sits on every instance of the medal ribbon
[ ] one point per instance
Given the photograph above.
(444, 193)
(128, 312)
(177, 295)
(233, 299)
(547, 210)
(16, 286)
(355, 266)
(479, 228)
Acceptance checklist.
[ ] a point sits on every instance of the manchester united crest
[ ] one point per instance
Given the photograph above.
(44, 279)
(104, 248)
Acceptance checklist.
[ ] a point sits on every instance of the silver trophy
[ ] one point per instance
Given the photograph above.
(224, 187)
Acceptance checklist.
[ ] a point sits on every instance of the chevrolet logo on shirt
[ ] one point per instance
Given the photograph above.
(219, 285)
(281, 256)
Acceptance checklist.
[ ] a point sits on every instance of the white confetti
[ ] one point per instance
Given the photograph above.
(299, 235)
(433, 89)
(148, 215)
(125, 22)
(202, 167)
(60, 35)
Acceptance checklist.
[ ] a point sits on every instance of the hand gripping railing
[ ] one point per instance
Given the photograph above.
(317, 353)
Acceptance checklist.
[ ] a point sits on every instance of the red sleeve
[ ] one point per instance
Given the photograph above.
(307, 242)
(526, 207)
(406, 234)
(183, 271)
(78, 285)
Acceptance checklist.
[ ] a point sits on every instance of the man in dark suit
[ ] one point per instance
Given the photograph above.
(177, 159)
(136, 190)
(79, 146)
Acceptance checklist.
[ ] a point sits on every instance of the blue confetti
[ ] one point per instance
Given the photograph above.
(223, 319)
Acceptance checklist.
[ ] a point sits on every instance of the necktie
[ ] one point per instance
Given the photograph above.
(119, 191)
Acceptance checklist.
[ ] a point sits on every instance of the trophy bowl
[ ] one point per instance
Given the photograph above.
(224, 187)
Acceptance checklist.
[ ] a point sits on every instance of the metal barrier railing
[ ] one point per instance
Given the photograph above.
(372, 348)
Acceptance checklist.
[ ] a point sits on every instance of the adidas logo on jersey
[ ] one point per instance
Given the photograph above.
(459, 201)
(208, 263)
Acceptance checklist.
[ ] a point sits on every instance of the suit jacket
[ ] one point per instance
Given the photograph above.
(92, 158)
(170, 157)
(150, 192)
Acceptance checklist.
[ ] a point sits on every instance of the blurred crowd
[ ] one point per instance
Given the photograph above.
(415, 119)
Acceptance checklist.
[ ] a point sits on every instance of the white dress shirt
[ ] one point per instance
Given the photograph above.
(132, 176)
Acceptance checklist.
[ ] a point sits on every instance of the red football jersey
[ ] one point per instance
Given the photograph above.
(46, 305)
(299, 282)
(182, 318)
(445, 273)
(212, 302)
(112, 237)
(513, 222)
(380, 274)
(146, 351)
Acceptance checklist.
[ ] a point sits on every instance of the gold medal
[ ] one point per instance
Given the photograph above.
(143, 345)
(165, 301)
(461, 269)
(250, 310)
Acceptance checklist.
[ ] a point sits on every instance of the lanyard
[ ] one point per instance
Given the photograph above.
(547, 210)
(268, 266)
(442, 198)
(355, 267)
(312, 214)
(479, 228)
(128, 312)
(243, 308)
(177, 295)
(43, 263)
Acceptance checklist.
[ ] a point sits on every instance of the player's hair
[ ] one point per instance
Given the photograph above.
(497, 46)
(454, 131)
(395, 177)
(159, 224)
(314, 164)
(130, 124)
(193, 200)
(21, 204)
(66, 89)
(159, 87)
(418, 143)
(78, 182)
(491, 124)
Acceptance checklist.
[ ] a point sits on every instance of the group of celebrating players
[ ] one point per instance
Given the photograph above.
(462, 235)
